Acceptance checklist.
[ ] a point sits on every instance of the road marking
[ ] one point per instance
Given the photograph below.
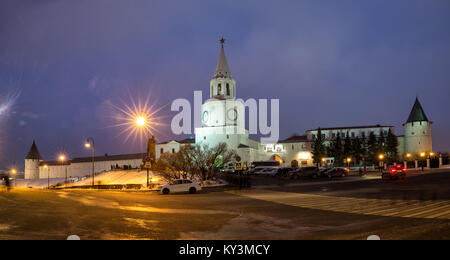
(427, 211)
(439, 214)
(420, 208)
(365, 206)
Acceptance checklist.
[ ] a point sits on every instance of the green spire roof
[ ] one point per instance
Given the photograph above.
(34, 154)
(417, 114)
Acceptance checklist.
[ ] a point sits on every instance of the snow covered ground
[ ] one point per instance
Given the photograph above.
(108, 178)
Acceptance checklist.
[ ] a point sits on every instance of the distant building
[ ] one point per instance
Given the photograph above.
(223, 121)
(37, 168)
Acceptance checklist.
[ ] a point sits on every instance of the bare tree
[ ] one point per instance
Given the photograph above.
(194, 162)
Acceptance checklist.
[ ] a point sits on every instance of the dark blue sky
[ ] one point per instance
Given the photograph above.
(331, 63)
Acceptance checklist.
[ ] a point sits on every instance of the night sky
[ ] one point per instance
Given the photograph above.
(331, 63)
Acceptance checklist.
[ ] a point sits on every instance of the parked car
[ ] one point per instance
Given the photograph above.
(394, 173)
(335, 172)
(284, 172)
(180, 186)
(266, 171)
(310, 172)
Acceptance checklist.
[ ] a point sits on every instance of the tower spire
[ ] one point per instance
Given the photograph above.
(222, 68)
(34, 154)
(417, 114)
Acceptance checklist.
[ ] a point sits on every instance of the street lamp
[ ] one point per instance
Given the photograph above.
(62, 158)
(14, 172)
(142, 121)
(348, 161)
(91, 143)
(422, 155)
(48, 175)
(381, 157)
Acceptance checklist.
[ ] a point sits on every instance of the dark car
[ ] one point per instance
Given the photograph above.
(310, 172)
(335, 172)
(284, 172)
(394, 173)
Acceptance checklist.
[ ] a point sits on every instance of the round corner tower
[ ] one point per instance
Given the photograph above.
(32, 162)
(418, 131)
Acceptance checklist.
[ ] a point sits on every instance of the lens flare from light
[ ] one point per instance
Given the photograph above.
(8, 102)
(137, 118)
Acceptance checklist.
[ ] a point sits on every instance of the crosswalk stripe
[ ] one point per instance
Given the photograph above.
(440, 214)
(380, 207)
(394, 210)
(427, 212)
(384, 206)
(445, 217)
(422, 207)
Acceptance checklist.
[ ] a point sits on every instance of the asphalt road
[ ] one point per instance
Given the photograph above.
(351, 208)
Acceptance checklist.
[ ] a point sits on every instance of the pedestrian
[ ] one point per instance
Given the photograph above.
(7, 184)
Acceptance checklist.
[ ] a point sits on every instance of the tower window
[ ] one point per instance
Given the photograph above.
(173, 150)
(219, 89)
(162, 150)
(228, 89)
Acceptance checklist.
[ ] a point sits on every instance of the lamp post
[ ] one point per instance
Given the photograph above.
(91, 143)
(348, 162)
(14, 172)
(62, 159)
(381, 157)
(48, 176)
(142, 121)
(422, 155)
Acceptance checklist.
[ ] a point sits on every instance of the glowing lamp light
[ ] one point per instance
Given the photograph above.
(141, 121)
(87, 145)
(431, 154)
(324, 160)
(381, 157)
(13, 171)
(409, 155)
(349, 159)
(62, 158)
(422, 154)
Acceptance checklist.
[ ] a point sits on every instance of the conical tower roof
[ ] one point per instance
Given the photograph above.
(417, 114)
(222, 68)
(34, 154)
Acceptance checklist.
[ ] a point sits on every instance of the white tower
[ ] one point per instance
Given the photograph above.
(32, 162)
(418, 131)
(223, 118)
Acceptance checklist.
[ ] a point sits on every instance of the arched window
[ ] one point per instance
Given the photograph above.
(162, 150)
(173, 150)
(228, 89)
(219, 89)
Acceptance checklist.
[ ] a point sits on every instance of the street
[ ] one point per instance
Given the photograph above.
(350, 208)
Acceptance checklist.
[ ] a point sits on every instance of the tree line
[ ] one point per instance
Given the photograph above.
(361, 150)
